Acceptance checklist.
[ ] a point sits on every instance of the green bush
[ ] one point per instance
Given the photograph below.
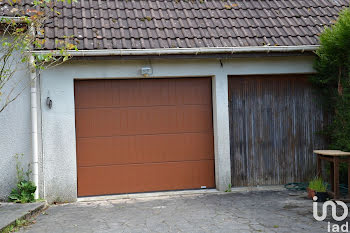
(25, 189)
(318, 185)
(332, 80)
(23, 193)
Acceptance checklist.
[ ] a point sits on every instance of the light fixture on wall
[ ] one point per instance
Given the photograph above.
(146, 71)
(49, 102)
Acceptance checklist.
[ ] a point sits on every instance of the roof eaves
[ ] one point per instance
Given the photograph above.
(184, 51)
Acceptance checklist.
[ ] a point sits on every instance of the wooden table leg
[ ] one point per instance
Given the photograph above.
(332, 176)
(336, 177)
(349, 177)
(319, 166)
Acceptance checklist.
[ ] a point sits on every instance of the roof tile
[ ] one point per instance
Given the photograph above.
(149, 24)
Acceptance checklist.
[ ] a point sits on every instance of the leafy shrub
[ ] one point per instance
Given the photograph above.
(332, 80)
(318, 185)
(25, 189)
(24, 192)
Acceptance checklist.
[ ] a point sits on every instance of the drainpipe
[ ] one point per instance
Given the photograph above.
(34, 114)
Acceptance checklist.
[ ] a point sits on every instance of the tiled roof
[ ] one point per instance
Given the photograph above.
(150, 24)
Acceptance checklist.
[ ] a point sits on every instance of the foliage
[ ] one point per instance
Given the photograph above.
(24, 193)
(318, 185)
(19, 36)
(16, 226)
(229, 187)
(25, 189)
(332, 80)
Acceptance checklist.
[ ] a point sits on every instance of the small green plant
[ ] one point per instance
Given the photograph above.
(318, 185)
(16, 226)
(25, 189)
(228, 190)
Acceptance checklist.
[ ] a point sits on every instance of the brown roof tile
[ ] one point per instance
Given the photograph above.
(148, 24)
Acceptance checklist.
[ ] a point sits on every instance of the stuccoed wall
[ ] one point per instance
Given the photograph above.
(15, 137)
(58, 124)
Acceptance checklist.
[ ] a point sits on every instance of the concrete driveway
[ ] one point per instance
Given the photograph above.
(264, 211)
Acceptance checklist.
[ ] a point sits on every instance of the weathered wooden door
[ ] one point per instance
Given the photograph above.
(273, 125)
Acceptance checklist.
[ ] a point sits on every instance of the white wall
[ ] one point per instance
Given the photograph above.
(58, 123)
(15, 137)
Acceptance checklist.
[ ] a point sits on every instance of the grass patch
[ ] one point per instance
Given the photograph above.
(17, 225)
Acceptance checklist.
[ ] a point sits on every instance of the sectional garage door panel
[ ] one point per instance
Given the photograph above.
(136, 130)
(133, 178)
(142, 92)
(137, 149)
(143, 120)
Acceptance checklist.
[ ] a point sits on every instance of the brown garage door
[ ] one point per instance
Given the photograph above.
(143, 135)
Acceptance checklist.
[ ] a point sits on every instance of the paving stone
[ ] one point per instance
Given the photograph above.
(10, 212)
(264, 211)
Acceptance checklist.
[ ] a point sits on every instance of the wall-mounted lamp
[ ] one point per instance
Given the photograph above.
(49, 102)
(146, 71)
